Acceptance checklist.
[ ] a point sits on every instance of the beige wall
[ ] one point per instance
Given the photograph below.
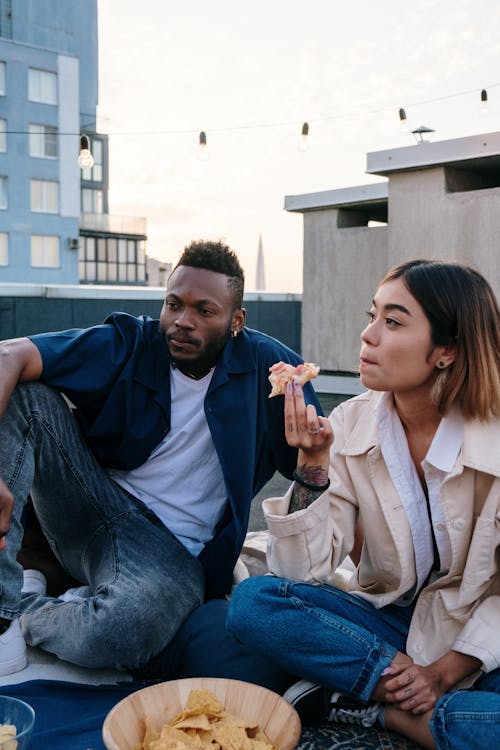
(427, 221)
(342, 266)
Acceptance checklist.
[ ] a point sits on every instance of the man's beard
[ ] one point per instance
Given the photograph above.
(208, 358)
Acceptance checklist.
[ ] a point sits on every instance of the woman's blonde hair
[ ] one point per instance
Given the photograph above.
(463, 312)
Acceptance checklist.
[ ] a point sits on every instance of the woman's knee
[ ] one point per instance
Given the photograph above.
(467, 719)
(249, 601)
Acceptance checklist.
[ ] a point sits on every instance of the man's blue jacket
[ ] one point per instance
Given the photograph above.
(118, 377)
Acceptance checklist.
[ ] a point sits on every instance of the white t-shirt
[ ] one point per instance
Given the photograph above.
(182, 479)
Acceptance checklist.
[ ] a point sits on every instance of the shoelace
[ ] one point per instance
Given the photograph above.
(366, 716)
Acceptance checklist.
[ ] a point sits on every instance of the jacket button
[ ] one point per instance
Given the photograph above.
(417, 648)
(459, 523)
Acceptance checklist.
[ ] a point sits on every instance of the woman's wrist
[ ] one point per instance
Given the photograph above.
(310, 483)
(317, 482)
(456, 666)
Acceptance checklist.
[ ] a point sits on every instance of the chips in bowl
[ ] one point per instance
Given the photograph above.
(202, 714)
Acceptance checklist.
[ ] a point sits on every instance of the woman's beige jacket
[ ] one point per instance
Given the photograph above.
(461, 610)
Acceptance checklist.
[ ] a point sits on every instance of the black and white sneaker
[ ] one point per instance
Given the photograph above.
(311, 701)
(316, 704)
(347, 710)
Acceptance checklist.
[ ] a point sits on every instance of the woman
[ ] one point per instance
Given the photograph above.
(414, 643)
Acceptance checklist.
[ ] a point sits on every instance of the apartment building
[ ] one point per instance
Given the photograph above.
(54, 222)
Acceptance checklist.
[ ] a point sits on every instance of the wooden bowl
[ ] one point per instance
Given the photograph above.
(124, 725)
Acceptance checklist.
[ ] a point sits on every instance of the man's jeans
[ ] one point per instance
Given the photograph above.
(341, 641)
(144, 582)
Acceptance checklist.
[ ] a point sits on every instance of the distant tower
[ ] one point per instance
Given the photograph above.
(260, 278)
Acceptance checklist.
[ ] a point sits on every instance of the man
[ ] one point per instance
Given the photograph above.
(144, 496)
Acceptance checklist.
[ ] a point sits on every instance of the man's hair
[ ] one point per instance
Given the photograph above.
(463, 312)
(218, 257)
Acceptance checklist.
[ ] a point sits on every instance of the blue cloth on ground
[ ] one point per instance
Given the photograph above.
(68, 715)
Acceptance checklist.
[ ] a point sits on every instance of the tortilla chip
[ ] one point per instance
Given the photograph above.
(204, 725)
(196, 721)
(200, 702)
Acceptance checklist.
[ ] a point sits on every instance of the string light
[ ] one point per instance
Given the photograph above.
(85, 159)
(402, 119)
(484, 101)
(304, 137)
(202, 147)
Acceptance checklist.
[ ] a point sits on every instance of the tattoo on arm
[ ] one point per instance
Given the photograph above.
(302, 497)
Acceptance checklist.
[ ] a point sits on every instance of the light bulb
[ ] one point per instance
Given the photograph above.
(402, 119)
(85, 159)
(484, 101)
(304, 137)
(202, 148)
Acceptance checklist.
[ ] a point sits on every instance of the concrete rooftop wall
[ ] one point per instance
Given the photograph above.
(448, 210)
(339, 268)
(426, 220)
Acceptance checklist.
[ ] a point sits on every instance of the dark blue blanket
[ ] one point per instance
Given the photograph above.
(69, 716)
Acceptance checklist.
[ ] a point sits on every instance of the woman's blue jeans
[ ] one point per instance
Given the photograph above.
(341, 641)
(144, 582)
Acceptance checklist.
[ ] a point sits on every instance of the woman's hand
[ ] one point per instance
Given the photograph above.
(416, 689)
(312, 434)
(413, 688)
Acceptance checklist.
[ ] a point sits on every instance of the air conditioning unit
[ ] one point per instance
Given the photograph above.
(73, 243)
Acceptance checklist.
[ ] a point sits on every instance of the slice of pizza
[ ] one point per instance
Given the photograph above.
(283, 373)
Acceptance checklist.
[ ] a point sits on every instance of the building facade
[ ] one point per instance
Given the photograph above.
(440, 200)
(54, 222)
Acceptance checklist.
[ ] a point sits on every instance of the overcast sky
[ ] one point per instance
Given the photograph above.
(249, 74)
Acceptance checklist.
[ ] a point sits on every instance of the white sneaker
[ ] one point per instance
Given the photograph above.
(12, 650)
(34, 582)
(79, 592)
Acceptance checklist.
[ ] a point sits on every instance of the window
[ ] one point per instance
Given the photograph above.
(44, 196)
(3, 192)
(42, 86)
(6, 19)
(44, 251)
(92, 201)
(467, 180)
(95, 172)
(2, 78)
(4, 249)
(43, 141)
(108, 260)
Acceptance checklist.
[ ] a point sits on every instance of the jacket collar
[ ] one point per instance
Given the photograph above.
(479, 447)
(364, 436)
(236, 358)
(152, 368)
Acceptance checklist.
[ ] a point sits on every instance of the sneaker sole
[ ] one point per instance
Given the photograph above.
(297, 691)
(15, 665)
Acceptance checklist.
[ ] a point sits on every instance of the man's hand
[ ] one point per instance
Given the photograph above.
(6, 505)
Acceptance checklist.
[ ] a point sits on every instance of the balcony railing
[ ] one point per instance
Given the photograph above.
(135, 225)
